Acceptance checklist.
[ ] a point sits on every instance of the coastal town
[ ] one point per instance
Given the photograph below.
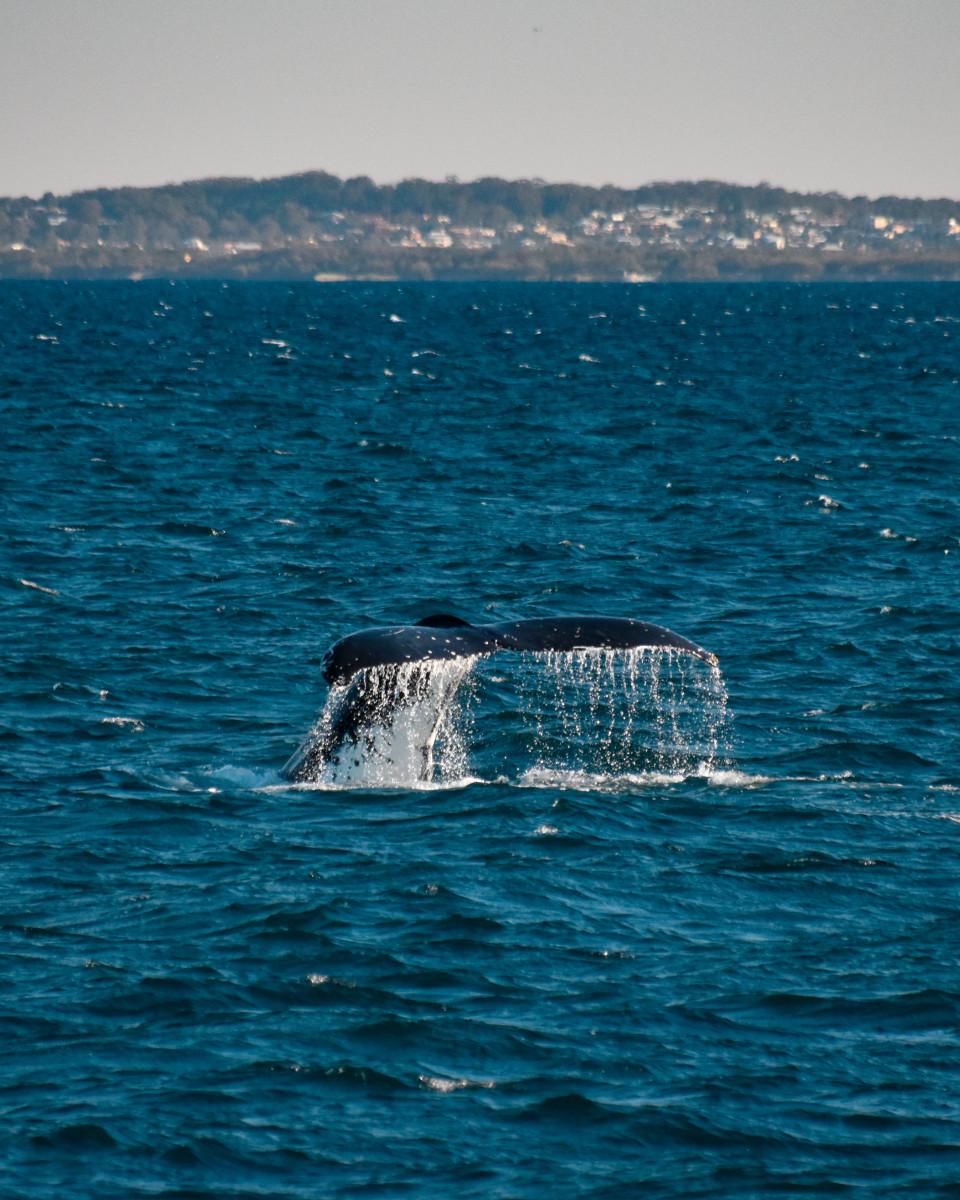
(501, 229)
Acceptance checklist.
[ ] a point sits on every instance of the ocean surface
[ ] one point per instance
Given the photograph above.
(650, 930)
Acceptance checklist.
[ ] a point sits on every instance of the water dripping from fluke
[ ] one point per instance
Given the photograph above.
(392, 726)
(614, 718)
(615, 714)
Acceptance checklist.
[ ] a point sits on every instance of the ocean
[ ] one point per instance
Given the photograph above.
(649, 930)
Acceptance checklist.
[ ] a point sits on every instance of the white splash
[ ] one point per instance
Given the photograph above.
(437, 1083)
(126, 722)
(603, 719)
(38, 587)
(243, 777)
(412, 734)
(554, 779)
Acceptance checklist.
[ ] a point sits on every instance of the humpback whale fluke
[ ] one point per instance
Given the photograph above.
(390, 648)
(444, 636)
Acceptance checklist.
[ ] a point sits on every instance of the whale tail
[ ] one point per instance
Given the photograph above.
(383, 671)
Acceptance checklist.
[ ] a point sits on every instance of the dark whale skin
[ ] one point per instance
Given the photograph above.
(442, 637)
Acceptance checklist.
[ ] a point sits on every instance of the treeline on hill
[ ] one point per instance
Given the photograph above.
(271, 210)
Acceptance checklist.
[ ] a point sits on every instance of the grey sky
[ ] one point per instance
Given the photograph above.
(852, 95)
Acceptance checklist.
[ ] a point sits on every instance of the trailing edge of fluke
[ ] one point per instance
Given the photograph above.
(442, 636)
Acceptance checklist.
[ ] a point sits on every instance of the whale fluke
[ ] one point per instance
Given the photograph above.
(444, 636)
(388, 649)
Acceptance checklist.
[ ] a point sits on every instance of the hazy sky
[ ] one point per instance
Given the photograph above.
(852, 95)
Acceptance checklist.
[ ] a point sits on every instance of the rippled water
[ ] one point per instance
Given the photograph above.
(700, 942)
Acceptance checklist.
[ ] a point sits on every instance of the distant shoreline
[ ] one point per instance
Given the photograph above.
(890, 276)
(318, 227)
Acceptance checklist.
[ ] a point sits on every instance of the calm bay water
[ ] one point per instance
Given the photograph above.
(737, 976)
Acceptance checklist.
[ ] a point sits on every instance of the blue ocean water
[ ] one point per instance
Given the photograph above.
(727, 971)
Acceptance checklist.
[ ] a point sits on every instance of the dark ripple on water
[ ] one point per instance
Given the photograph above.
(667, 979)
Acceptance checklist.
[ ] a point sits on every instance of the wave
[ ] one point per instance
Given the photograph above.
(269, 781)
(444, 1085)
(604, 781)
